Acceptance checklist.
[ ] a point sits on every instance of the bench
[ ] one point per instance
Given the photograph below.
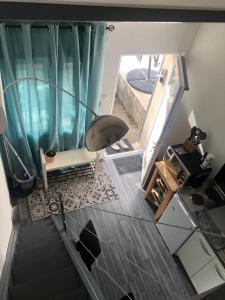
(66, 159)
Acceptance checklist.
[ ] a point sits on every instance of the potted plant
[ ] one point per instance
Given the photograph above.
(50, 155)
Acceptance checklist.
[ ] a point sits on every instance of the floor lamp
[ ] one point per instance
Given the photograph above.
(103, 131)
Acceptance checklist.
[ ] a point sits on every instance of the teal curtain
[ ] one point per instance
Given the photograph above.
(39, 115)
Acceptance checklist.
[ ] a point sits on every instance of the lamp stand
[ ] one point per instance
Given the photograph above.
(8, 145)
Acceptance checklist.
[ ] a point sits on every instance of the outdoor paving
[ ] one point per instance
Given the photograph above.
(119, 110)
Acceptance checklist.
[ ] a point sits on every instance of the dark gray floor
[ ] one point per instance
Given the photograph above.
(139, 241)
(129, 164)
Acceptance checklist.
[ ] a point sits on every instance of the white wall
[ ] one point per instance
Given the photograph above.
(5, 216)
(141, 38)
(205, 101)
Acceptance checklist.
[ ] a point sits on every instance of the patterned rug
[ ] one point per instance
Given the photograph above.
(77, 192)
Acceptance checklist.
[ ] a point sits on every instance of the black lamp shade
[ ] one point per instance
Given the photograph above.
(104, 131)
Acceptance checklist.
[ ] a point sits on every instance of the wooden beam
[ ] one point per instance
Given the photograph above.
(21, 11)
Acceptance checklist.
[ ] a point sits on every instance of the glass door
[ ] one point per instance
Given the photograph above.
(166, 95)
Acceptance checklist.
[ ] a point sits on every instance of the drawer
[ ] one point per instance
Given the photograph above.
(212, 275)
(195, 253)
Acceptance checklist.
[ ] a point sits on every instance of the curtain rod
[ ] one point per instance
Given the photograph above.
(108, 27)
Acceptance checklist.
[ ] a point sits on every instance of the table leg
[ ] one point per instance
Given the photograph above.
(45, 177)
(43, 167)
(96, 163)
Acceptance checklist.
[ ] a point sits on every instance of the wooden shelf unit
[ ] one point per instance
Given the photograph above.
(161, 174)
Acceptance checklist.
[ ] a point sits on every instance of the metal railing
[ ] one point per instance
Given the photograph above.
(66, 227)
(87, 278)
(113, 251)
(74, 223)
(62, 212)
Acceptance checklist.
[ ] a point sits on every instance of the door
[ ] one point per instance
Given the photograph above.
(166, 96)
(175, 214)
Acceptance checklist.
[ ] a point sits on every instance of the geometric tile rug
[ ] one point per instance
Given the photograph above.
(77, 192)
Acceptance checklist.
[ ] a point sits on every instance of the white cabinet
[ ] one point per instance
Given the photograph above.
(195, 253)
(201, 263)
(210, 276)
(177, 215)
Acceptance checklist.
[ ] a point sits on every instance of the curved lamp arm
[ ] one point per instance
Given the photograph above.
(102, 132)
(51, 84)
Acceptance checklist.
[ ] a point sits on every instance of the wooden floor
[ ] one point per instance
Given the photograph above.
(140, 241)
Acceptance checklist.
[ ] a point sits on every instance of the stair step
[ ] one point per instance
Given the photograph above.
(47, 286)
(35, 225)
(28, 245)
(44, 222)
(35, 234)
(46, 247)
(37, 266)
(78, 294)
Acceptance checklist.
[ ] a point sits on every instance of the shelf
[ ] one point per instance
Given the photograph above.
(71, 158)
(166, 176)
(155, 197)
(161, 185)
(161, 181)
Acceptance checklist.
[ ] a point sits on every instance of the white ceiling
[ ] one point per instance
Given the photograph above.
(205, 4)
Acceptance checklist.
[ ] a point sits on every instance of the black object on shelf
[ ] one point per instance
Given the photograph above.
(154, 206)
(187, 166)
(192, 161)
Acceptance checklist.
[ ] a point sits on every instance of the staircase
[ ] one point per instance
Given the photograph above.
(42, 268)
